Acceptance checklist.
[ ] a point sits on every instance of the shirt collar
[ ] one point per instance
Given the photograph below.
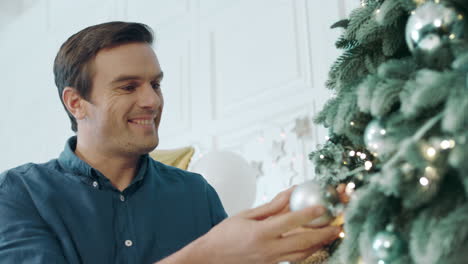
(70, 161)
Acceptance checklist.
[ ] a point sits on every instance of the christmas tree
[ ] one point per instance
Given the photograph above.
(398, 133)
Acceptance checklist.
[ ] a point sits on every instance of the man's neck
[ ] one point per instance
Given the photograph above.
(120, 170)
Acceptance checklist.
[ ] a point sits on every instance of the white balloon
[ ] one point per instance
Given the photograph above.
(231, 176)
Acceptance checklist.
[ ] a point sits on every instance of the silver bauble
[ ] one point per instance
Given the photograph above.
(431, 25)
(387, 246)
(375, 137)
(310, 194)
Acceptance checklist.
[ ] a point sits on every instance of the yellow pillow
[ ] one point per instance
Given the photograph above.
(179, 158)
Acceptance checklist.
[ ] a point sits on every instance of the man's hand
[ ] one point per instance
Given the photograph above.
(261, 236)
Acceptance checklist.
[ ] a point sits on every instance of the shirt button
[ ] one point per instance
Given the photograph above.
(122, 198)
(128, 243)
(95, 184)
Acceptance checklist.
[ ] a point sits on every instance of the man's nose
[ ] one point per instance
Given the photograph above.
(149, 98)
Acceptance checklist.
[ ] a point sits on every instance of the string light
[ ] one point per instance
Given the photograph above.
(351, 123)
(322, 156)
(423, 181)
(368, 165)
(352, 153)
(350, 187)
(342, 234)
(363, 156)
(447, 144)
(431, 152)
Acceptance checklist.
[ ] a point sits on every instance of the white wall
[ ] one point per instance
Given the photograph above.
(238, 74)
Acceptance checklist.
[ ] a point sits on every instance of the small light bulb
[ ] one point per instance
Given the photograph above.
(352, 153)
(383, 132)
(445, 144)
(368, 165)
(377, 11)
(423, 181)
(358, 153)
(437, 23)
(351, 123)
(342, 234)
(431, 152)
(363, 156)
(349, 189)
(322, 156)
(452, 143)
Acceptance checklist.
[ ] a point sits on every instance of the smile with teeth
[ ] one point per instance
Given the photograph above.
(144, 122)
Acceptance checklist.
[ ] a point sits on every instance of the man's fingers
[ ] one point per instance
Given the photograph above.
(286, 222)
(315, 238)
(278, 205)
(299, 255)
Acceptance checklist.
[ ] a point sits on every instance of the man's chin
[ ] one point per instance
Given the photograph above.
(149, 147)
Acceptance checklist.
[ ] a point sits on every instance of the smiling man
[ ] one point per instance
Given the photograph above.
(104, 200)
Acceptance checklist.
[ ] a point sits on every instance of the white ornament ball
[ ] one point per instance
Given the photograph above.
(375, 137)
(231, 176)
(431, 25)
(310, 194)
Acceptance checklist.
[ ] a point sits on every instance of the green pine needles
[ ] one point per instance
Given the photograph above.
(418, 183)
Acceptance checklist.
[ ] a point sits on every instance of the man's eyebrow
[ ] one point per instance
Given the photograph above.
(122, 78)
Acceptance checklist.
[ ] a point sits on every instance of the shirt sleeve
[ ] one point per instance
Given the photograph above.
(24, 236)
(218, 214)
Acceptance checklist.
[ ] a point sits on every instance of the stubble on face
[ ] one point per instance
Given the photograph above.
(126, 103)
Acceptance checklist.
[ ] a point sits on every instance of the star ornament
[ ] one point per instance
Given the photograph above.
(277, 150)
(258, 168)
(302, 128)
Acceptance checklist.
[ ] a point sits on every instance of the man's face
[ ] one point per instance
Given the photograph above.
(126, 103)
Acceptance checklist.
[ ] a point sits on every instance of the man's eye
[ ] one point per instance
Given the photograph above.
(129, 88)
(156, 86)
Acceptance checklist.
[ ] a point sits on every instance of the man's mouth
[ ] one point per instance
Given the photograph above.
(145, 122)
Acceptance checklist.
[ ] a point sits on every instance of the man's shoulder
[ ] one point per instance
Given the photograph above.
(171, 173)
(25, 172)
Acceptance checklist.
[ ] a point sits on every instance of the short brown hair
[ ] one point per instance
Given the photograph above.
(72, 65)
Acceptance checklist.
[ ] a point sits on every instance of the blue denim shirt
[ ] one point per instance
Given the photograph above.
(64, 211)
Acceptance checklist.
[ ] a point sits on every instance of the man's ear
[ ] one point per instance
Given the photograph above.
(74, 103)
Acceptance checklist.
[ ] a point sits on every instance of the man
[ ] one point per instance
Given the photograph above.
(104, 200)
